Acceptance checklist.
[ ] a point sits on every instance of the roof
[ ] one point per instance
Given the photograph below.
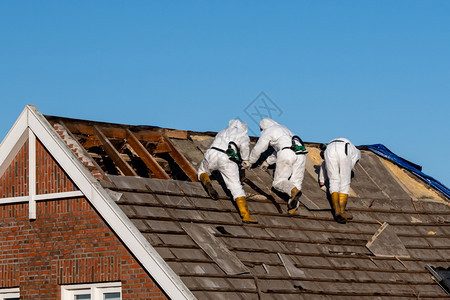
(147, 175)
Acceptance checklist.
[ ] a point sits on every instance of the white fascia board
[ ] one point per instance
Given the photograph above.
(155, 265)
(13, 142)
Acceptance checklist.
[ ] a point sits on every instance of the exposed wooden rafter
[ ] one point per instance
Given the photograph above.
(126, 169)
(99, 134)
(146, 157)
(181, 160)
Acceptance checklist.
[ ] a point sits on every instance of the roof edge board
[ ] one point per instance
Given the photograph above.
(13, 142)
(108, 209)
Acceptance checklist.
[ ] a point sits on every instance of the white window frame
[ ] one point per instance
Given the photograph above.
(9, 293)
(96, 290)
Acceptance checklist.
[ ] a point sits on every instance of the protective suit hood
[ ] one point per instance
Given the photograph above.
(266, 123)
(239, 125)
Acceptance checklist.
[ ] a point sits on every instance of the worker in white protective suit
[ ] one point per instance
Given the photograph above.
(229, 149)
(290, 159)
(340, 156)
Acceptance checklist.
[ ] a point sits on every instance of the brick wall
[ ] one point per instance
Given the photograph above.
(50, 178)
(68, 243)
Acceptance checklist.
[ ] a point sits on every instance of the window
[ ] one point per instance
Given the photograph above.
(9, 294)
(97, 291)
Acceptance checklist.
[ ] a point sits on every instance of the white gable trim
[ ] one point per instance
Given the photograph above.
(153, 263)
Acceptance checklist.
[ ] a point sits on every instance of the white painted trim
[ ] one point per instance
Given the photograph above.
(62, 195)
(9, 293)
(150, 259)
(14, 200)
(13, 142)
(9, 290)
(42, 197)
(95, 290)
(31, 175)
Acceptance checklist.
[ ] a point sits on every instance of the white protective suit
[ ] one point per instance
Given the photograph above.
(217, 160)
(338, 165)
(290, 167)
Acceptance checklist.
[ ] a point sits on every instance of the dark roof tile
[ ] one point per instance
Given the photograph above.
(164, 226)
(138, 198)
(176, 240)
(189, 254)
(165, 252)
(192, 189)
(333, 256)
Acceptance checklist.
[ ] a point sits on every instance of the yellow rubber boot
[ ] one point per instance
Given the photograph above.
(343, 198)
(337, 208)
(293, 201)
(206, 181)
(335, 203)
(243, 210)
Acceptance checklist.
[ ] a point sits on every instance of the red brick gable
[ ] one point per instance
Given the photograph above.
(14, 182)
(50, 178)
(68, 243)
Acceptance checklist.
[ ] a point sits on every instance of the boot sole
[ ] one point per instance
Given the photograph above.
(294, 202)
(250, 222)
(340, 219)
(211, 191)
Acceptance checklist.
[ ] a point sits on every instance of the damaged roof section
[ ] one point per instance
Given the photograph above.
(125, 150)
(151, 175)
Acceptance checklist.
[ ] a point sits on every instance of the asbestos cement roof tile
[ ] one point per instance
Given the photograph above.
(257, 232)
(203, 268)
(363, 185)
(164, 226)
(128, 182)
(224, 217)
(189, 150)
(186, 215)
(171, 200)
(333, 256)
(221, 295)
(437, 242)
(256, 257)
(192, 189)
(141, 225)
(242, 284)
(162, 186)
(182, 240)
(138, 198)
(153, 239)
(189, 254)
(128, 210)
(165, 252)
(205, 203)
(382, 176)
(150, 212)
(213, 283)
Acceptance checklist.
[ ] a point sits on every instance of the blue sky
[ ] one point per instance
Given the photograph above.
(371, 71)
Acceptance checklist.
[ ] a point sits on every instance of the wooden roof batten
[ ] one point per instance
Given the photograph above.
(133, 135)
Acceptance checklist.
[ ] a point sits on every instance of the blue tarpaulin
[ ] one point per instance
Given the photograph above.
(382, 151)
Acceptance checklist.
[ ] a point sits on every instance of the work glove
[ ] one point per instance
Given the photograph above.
(246, 165)
(323, 188)
(264, 166)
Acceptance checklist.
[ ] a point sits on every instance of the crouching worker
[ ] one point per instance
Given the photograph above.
(290, 159)
(340, 156)
(229, 149)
